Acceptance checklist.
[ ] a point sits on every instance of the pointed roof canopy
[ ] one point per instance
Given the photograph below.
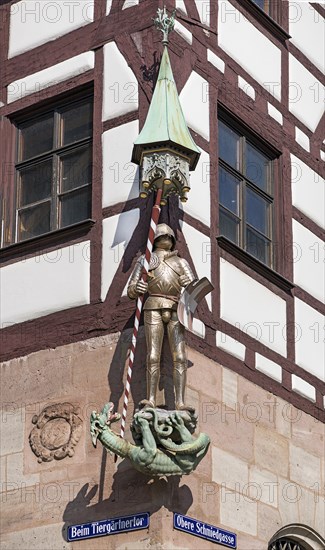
(165, 123)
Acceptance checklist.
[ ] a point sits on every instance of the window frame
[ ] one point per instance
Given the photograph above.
(247, 135)
(275, 20)
(56, 153)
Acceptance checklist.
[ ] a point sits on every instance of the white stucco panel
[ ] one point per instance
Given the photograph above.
(49, 77)
(108, 6)
(120, 86)
(268, 367)
(129, 4)
(216, 61)
(120, 175)
(180, 5)
(183, 32)
(198, 204)
(203, 7)
(309, 261)
(117, 232)
(303, 388)
(306, 27)
(200, 249)
(229, 344)
(274, 113)
(34, 22)
(194, 99)
(310, 349)
(249, 47)
(306, 94)
(308, 191)
(252, 308)
(44, 284)
(302, 139)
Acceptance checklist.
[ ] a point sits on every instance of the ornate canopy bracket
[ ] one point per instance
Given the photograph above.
(167, 170)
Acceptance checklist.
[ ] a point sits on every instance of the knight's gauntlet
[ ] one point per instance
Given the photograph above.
(187, 276)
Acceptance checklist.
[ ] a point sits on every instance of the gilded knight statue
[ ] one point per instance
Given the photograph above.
(168, 273)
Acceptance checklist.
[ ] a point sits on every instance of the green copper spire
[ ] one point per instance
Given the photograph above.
(165, 124)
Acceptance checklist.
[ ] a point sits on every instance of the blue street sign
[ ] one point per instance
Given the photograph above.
(205, 531)
(111, 526)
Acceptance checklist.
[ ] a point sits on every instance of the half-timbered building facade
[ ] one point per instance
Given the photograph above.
(77, 78)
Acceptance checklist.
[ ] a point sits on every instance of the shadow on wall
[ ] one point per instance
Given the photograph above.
(132, 492)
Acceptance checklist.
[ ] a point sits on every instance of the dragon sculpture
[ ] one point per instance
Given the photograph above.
(163, 443)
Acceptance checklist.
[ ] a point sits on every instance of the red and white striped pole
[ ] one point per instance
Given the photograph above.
(151, 237)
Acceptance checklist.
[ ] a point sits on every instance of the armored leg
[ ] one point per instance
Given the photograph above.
(154, 331)
(176, 337)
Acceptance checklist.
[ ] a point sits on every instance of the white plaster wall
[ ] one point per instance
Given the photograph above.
(310, 349)
(306, 94)
(303, 388)
(253, 308)
(216, 61)
(51, 282)
(268, 367)
(49, 77)
(249, 47)
(129, 4)
(117, 232)
(34, 22)
(120, 86)
(180, 5)
(203, 7)
(309, 261)
(302, 139)
(108, 6)
(274, 113)
(246, 87)
(120, 176)
(229, 344)
(194, 99)
(198, 204)
(308, 191)
(306, 27)
(183, 32)
(200, 250)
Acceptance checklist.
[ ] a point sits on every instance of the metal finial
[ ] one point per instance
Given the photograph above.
(164, 23)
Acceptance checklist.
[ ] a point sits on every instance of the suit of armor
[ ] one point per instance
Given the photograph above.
(168, 273)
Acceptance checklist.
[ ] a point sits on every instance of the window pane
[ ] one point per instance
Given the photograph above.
(229, 225)
(228, 190)
(228, 145)
(77, 123)
(76, 169)
(260, 3)
(75, 206)
(256, 166)
(35, 183)
(257, 211)
(258, 246)
(34, 221)
(37, 137)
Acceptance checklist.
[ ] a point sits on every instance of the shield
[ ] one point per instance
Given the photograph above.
(190, 299)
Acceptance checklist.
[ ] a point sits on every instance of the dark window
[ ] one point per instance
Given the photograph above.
(245, 192)
(271, 7)
(286, 544)
(53, 169)
(263, 4)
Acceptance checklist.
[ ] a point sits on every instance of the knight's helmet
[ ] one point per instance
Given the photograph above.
(164, 229)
